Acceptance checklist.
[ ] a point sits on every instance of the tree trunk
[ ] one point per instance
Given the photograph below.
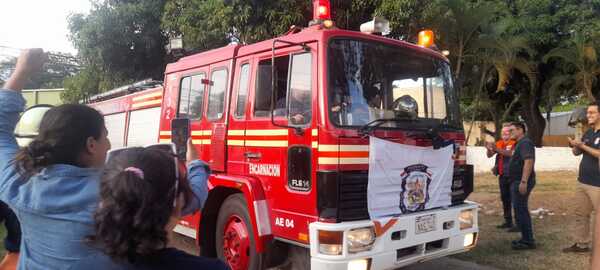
(587, 85)
(531, 114)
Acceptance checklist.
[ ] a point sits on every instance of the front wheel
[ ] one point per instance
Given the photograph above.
(235, 242)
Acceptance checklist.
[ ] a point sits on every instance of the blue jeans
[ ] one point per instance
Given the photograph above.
(521, 206)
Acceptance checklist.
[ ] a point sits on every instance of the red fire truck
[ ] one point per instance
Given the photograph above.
(285, 125)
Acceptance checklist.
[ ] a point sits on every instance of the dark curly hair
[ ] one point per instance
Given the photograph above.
(133, 212)
(63, 135)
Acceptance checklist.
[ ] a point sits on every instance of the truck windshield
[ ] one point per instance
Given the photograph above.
(370, 80)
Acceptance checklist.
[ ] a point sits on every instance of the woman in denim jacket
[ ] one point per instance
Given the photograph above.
(53, 184)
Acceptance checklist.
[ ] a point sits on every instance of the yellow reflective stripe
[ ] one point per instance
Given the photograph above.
(164, 140)
(277, 143)
(203, 141)
(233, 132)
(343, 148)
(157, 94)
(266, 132)
(165, 133)
(329, 147)
(315, 144)
(343, 161)
(354, 148)
(147, 103)
(235, 142)
(201, 132)
(315, 132)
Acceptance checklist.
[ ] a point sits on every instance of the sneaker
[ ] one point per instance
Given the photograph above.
(576, 248)
(505, 225)
(520, 245)
(514, 229)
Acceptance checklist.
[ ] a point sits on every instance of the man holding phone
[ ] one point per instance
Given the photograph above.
(502, 151)
(587, 194)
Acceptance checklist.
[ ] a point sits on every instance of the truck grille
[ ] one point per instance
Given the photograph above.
(342, 196)
(353, 196)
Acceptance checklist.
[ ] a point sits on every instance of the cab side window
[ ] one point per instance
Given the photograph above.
(191, 97)
(300, 94)
(262, 101)
(216, 95)
(242, 95)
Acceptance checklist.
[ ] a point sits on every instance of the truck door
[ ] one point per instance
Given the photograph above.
(215, 126)
(191, 103)
(236, 160)
(280, 153)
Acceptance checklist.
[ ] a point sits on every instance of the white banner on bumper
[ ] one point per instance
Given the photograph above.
(406, 178)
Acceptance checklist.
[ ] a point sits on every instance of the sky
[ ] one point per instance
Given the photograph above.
(38, 24)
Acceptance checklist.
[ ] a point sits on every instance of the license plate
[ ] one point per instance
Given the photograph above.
(425, 224)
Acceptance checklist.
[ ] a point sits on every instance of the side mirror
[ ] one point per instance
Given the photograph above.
(28, 126)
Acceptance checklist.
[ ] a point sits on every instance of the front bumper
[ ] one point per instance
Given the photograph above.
(400, 245)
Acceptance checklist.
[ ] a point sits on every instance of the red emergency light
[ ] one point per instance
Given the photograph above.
(321, 10)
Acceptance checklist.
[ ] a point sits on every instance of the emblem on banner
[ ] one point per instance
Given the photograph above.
(415, 188)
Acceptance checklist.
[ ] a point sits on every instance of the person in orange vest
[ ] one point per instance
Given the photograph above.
(502, 150)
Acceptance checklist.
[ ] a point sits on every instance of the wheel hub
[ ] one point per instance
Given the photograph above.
(236, 243)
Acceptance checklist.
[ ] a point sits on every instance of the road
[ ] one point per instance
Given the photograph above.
(188, 245)
(448, 264)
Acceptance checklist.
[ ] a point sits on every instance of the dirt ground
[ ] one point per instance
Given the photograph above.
(554, 192)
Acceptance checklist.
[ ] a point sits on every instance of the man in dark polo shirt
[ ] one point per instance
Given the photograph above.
(522, 176)
(587, 194)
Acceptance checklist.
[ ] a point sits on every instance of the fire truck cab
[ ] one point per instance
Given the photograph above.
(285, 126)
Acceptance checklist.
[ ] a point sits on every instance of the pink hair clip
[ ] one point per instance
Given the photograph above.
(135, 170)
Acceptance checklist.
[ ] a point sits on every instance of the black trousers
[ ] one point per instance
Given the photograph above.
(12, 242)
(505, 196)
(521, 204)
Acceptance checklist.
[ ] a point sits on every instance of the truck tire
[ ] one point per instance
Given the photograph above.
(235, 241)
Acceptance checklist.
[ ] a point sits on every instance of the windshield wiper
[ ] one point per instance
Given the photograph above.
(369, 127)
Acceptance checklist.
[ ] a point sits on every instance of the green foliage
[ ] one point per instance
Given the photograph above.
(207, 24)
(118, 42)
(503, 52)
(58, 67)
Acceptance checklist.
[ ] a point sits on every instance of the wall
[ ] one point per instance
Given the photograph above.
(476, 131)
(42, 96)
(547, 159)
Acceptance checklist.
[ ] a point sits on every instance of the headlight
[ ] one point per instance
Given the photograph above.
(361, 239)
(466, 219)
(470, 239)
(330, 242)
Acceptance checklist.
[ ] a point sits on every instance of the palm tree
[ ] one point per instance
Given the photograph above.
(508, 53)
(460, 21)
(581, 55)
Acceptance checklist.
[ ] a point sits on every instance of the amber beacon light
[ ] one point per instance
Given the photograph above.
(426, 38)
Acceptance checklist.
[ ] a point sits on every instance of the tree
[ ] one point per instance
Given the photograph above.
(581, 56)
(120, 41)
(208, 24)
(58, 67)
(459, 23)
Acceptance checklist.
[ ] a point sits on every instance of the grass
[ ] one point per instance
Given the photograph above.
(554, 191)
